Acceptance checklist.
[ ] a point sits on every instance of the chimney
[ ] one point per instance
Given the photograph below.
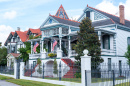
(122, 16)
(18, 28)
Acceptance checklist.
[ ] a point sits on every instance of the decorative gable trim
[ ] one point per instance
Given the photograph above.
(97, 16)
(47, 21)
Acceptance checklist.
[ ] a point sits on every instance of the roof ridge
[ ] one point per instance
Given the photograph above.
(65, 19)
(106, 12)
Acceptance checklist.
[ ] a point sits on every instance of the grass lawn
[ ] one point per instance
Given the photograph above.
(30, 83)
(5, 77)
(124, 84)
(78, 80)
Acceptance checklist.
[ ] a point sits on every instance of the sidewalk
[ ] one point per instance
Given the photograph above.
(4, 83)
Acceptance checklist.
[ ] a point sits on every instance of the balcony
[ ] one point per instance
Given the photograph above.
(31, 56)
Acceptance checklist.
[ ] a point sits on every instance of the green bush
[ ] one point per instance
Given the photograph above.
(55, 67)
(51, 54)
(77, 75)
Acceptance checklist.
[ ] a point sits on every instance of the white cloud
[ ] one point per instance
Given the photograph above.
(108, 6)
(10, 15)
(4, 32)
(75, 17)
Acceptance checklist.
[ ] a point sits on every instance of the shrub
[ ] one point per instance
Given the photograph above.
(77, 75)
(55, 67)
(51, 54)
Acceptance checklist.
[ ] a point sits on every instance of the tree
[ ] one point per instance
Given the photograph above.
(3, 54)
(127, 55)
(88, 39)
(0, 43)
(25, 51)
(55, 67)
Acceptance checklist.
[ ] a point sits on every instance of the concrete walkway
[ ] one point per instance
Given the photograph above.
(4, 83)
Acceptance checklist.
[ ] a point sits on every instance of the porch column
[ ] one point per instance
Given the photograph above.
(51, 44)
(60, 42)
(114, 44)
(60, 36)
(69, 41)
(31, 47)
(99, 36)
(59, 51)
(42, 45)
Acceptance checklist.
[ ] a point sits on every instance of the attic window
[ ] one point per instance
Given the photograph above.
(88, 14)
(50, 21)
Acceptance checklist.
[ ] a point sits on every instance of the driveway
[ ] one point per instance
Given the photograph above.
(5, 83)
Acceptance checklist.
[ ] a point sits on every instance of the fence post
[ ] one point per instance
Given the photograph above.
(21, 69)
(86, 66)
(43, 70)
(15, 68)
(31, 69)
(113, 77)
(60, 71)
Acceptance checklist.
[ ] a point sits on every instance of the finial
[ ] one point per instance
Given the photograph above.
(85, 52)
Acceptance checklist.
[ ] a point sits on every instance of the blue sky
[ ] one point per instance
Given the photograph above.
(32, 13)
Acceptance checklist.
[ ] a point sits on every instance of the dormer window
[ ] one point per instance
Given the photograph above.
(88, 14)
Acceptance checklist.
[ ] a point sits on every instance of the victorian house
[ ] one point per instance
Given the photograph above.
(113, 33)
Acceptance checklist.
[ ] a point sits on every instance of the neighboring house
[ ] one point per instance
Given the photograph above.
(113, 33)
(16, 40)
(11, 57)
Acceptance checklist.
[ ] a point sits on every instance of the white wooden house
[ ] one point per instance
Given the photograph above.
(113, 33)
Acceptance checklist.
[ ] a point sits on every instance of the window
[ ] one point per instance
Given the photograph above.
(18, 39)
(106, 42)
(88, 14)
(128, 40)
(109, 64)
(13, 39)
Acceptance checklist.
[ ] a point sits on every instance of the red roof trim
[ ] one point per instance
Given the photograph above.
(106, 12)
(65, 19)
(62, 10)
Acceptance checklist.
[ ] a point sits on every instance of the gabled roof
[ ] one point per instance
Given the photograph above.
(61, 13)
(115, 19)
(11, 33)
(35, 30)
(66, 21)
(22, 35)
(13, 54)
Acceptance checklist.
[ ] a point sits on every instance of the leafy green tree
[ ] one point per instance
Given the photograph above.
(25, 51)
(88, 39)
(31, 37)
(3, 54)
(55, 67)
(127, 54)
(0, 43)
